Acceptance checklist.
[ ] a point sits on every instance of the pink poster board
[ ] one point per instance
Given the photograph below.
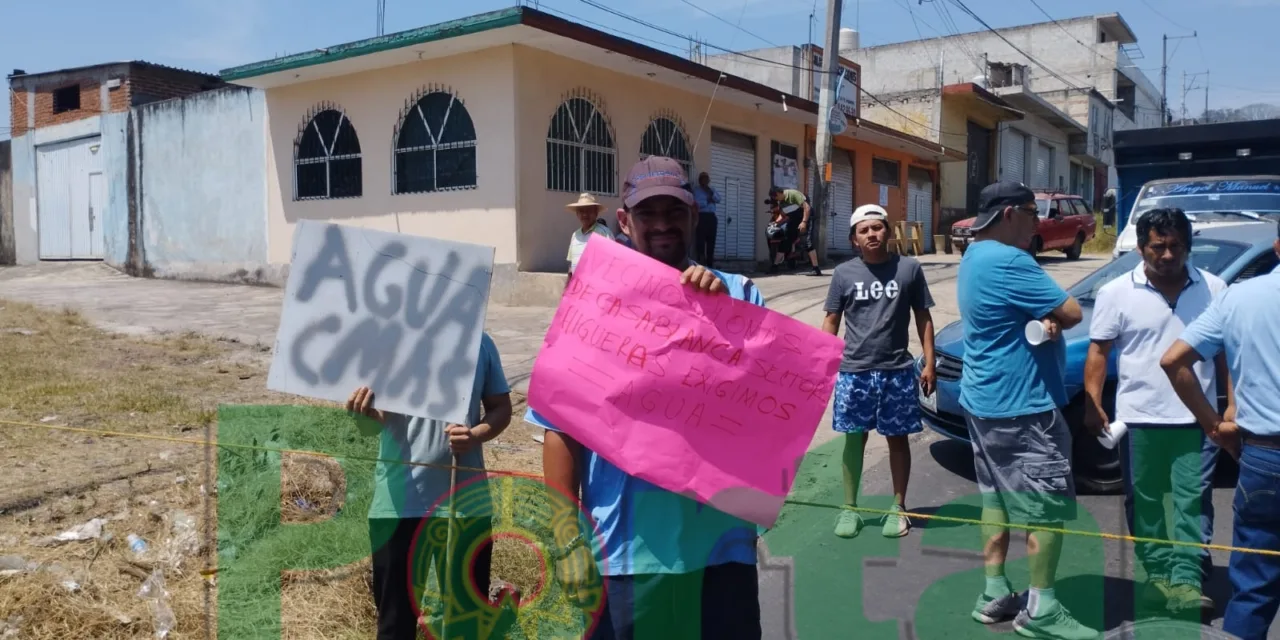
(700, 394)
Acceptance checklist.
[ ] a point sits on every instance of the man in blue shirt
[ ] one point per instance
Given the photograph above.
(1012, 392)
(706, 197)
(1243, 321)
(673, 568)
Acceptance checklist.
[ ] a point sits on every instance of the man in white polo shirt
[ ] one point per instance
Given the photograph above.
(1142, 314)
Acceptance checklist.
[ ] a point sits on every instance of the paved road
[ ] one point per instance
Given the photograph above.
(814, 585)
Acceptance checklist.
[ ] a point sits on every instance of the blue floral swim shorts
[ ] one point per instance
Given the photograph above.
(880, 400)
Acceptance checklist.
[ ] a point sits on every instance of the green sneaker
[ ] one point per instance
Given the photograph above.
(1155, 595)
(896, 526)
(1055, 625)
(848, 524)
(1186, 597)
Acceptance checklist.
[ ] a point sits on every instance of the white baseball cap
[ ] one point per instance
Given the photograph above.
(867, 212)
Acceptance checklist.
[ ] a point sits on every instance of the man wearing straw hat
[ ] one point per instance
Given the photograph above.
(412, 510)
(588, 211)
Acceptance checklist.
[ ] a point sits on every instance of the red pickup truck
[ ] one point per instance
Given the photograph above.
(1066, 223)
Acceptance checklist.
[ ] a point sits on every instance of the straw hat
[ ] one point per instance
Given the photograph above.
(585, 200)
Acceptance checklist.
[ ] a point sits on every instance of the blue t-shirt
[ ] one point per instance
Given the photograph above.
(1000, 289)
(1244, 321)
(645, 529)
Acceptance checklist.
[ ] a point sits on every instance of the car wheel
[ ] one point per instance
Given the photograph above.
(1097, 469)
(1036, 246)
(1076, 248)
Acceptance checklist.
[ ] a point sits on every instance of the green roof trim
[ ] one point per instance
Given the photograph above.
(454, 28)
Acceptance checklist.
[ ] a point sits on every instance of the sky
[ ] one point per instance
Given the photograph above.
(1234, 36)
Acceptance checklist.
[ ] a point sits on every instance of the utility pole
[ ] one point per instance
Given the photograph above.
(1164, 76)
(1206, 97)
(1164, 82)
(822, 146)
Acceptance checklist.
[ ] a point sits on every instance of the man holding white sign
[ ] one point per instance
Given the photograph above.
(673, 568)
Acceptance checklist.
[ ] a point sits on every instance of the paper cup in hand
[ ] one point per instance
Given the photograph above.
(1036, 334)
(1114, 434)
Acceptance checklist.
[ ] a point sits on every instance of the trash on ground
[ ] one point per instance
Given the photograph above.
(91, 530)
(157, 598)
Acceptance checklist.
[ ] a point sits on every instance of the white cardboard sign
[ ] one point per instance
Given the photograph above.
(401, 314)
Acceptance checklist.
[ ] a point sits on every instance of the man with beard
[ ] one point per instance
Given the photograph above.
(1142, 314)
(673, 568)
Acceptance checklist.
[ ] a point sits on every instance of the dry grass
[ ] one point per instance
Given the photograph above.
(59, 370)
(1103, 240)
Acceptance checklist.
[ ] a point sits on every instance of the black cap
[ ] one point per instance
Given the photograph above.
(998, 195)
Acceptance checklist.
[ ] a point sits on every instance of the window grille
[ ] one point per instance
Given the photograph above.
(581, 155)
(665, 136)
(435, 146)
(327, 157)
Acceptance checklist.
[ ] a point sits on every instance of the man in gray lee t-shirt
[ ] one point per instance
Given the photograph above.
(877, 386)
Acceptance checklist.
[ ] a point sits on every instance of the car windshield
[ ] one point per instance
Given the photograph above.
(1214, 200)
(1211, 255)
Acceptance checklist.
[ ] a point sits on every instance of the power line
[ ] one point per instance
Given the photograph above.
(965, 8)
(874, 98)
(1071, 35)
(1166, 18)
(735, 26)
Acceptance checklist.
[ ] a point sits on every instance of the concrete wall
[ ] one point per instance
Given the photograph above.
(784, 78)
(543, 80)
(202, 187)
(6, 204)
(914, 65)
(374, 102)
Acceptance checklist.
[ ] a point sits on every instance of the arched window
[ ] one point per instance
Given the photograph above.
(327, 157)
(580, 152)
(435, 145)
(665, 137)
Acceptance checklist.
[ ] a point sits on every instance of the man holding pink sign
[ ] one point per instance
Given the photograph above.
(655, 389)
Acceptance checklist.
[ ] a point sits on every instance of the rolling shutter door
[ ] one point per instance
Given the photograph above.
(1013, 156)
(1044, 160)
(733, 172)
(841, 199)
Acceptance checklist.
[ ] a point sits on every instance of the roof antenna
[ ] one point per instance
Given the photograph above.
(382, 17)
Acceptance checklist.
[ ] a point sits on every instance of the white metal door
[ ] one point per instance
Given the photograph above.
(63, 199)
(1013, 155)
(920, 202)
(841, 201)
(1044, 166)
(97, 204)
(733, 170)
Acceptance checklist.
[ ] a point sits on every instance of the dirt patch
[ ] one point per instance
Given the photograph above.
(60, 371)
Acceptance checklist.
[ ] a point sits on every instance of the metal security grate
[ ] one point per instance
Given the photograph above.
(581, 155)
(949, 368)
(435, 144)
(327, 160)
(665, 136)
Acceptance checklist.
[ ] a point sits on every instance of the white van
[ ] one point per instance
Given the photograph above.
(1209, 202)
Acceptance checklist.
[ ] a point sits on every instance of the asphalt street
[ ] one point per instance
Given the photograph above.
(816, 585)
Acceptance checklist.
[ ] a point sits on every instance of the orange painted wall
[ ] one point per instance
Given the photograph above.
(867, 192)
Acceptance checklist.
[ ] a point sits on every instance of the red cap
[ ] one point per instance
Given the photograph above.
(656, 176)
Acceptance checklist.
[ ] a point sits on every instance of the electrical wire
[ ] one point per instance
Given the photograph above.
(1093, 49)
(970, 12)
(762, 61)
